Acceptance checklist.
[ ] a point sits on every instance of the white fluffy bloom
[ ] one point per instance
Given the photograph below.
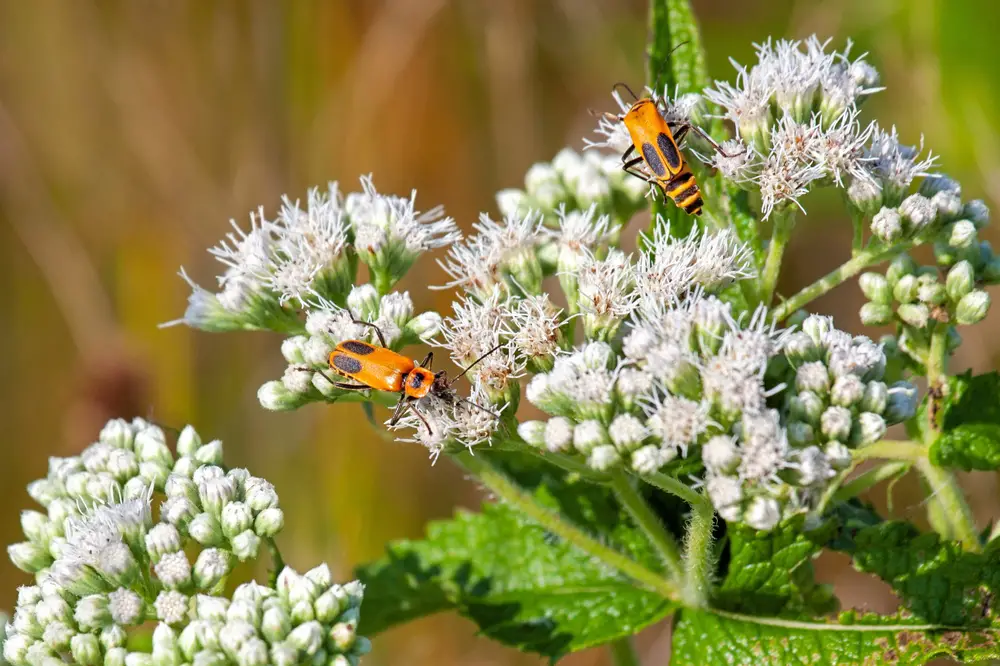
(479, 263)
(896, 165)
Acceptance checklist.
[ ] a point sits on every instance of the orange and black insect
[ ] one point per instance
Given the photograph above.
(382, 369)
(656, 140)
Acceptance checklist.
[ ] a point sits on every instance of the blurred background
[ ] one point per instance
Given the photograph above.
(131, 132)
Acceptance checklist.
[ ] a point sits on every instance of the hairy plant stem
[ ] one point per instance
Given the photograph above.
(858, 222)
(699, 562)
(784, 222)
(562, 461)
(867, 257)
(649, 522)
(869, 478)
(505, 488)
(947, 510)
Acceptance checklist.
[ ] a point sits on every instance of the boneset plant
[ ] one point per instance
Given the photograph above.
(689, 443)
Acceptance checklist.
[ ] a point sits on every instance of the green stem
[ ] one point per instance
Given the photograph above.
(699, 562)
(891, 449)
(276, 560)
(623, 652)
(784, 222)
(869, 478)
(864, 259)
(649, 522)
(505, 488)
(858, 221)
(947, 509)
(937, 375)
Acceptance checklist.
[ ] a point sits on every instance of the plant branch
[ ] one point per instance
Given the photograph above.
(869, 478)
(784, 222)
(649, 522)
(276, 560)
(864, 259)
(623, 652)
(947, 509)
(937, 376)
(505, 488)
(891, 449)
(698, 544)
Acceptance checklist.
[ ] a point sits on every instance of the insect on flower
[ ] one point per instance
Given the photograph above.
(382, 369)
(656, 139)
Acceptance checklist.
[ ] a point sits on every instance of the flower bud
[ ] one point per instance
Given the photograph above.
(113, 637)
(532, 432)
(960, 281)
(916, 315)
(173, 570)
(900, 267)
(292, 349)
(962, 235)
(875, 288)
(875, 314)
(813, 377)
(972, 308)
(800, 434)
(838, 455)
(948, 205)
(806, 406)
(847, 391)
(342, 636)
(206, 530)
(91, 612)
(307, 637)
(587, 435)
(86, 649)
(246, 545)
(512, 201)
(816, 327)
(603, 458)
(209, 454)
(836, 423)
(627, 432)
(905, 290)
(865, 195)
(918, 211)
(763, 513)
(424, 326)
(260, 494)
(274, 396)
(211, 567)
(931, 292)
(800, 348)
(236, 517)
(887, 225)
(29, 557)
(648, 459)
(902, 403)
(363, 302)
(868, 429)
(977, 212)
(275, 624)
(558, 434)
(269, 522)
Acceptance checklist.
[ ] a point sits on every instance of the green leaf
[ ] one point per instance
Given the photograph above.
(519, 583)
(771, 573)
(936, 580)
(970, 424)
(715, 638)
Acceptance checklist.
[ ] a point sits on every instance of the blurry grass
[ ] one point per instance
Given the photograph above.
(131, 132)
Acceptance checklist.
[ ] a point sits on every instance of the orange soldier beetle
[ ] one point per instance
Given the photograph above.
(382, 369)
(657, 141)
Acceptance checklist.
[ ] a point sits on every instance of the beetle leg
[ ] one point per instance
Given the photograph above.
(625, 155)
(631, 163)
(378, 331)
(680, 132)
(705, 136)
(400, 409)
(420, 416)
(428, 360)
(351, 387)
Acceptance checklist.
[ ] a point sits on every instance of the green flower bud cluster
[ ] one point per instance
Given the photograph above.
(840, 401)
(102, 566)
(307, 378)
(572, 181)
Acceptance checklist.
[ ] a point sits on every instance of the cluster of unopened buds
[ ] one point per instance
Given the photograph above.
(103, 568)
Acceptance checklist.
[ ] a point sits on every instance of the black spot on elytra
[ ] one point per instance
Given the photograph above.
(669, 151)
(416, 380)
(652, 159)
(346, 364)
(358, 347)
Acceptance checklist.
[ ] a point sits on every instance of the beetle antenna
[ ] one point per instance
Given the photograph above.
(471, 365)
(625, 86)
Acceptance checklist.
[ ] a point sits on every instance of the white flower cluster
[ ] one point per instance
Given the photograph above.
(796, 113)
(310, 254)
(571, 182)
(307, 378)
(102, 566)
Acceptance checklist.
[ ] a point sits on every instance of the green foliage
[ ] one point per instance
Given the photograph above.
(771, 572)
(519, 583)
(936, 580)
(970, 424)
(715, 638)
